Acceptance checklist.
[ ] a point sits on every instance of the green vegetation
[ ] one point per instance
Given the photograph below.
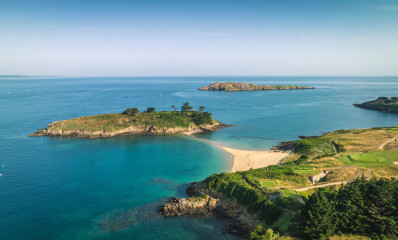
(261, 233)
(150, 110)
(289, 193)
(132, 117)
(384, 104)
(315, 147)
(374, 159)
(131, 111)
(337, 212)
(363, 207)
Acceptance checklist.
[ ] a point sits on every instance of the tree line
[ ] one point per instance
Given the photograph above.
(198, 117)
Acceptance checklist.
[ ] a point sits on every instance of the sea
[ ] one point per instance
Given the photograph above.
(107, 189)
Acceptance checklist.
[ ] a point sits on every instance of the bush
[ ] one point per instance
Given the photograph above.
(130, 111)
(150, 110)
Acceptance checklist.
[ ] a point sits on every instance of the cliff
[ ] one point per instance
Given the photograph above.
(115, 124)
(234, 86)
(204, 203)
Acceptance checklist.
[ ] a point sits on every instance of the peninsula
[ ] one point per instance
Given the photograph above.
(383, 104)
(353, 171)
(133, 122)
(235, 86)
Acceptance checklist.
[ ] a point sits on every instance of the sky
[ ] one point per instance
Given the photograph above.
(199, 37)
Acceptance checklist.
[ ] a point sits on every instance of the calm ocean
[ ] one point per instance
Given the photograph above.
(63, 188)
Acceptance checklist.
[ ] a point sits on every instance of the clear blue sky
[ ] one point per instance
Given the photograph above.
(199, 37)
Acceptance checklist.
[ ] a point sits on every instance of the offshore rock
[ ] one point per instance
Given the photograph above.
(235, 86)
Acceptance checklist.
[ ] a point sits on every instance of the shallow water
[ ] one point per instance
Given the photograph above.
(63, 188)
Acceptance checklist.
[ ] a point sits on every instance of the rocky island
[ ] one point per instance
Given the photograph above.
(235, 86)
(383, 104)
(331, 187)
(133, 122)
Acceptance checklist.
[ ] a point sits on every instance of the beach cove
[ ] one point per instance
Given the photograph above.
(65, 188)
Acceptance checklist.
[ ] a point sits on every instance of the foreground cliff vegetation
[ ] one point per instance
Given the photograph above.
(276, 194)
(384, 104)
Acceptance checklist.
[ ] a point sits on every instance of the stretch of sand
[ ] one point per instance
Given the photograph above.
(245, 160)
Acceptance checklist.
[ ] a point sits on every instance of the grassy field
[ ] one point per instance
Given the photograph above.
(289, 192)
(374, 159)
(116, 121)
(268, 183)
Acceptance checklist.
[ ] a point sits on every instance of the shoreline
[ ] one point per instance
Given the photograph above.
(243, 160)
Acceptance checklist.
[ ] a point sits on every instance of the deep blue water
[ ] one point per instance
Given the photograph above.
(63, 188)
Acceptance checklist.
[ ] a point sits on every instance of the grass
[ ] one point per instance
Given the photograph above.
(289, 193)
(305, 171)
(372, 159)
(268, 183)
(116, 121)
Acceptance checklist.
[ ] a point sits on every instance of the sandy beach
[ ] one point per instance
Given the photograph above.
(245, 160)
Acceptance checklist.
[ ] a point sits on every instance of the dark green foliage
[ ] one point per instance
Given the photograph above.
(150, 110)
(382, 104)
(243, 186)
(201, 108)
(201, 117)
(261, 233)
(363, 207)
(130, 111)
(303, 159)
(320, 215)
(314, 147)
(342, 131)
(186, 107)
(339, 147)
(381, 99)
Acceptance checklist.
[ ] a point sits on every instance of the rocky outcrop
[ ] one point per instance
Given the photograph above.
(204, 203)
(234, 86)
(316, 178)
(50, 130)
(193, 206)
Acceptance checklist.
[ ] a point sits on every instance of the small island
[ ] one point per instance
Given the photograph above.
(235, 87)
(383, 104)
(133, 122)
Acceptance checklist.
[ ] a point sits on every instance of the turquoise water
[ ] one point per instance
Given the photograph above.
(63, 188)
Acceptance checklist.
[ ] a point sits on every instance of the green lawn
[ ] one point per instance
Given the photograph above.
(371, 159)
(268, 183)
(289, 193)
(305, 171)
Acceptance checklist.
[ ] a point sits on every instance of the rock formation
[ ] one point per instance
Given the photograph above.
(234, 86)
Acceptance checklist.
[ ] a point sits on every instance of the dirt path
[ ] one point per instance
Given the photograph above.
(319, 186)
(382, 145)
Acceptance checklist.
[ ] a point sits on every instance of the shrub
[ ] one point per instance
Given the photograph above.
(130, 111)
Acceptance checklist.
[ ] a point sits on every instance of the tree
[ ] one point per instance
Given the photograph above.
(186, 107)
(201, 108)
(320, 216)
(382, 98)
(173, 107)
(130, 111)
(150, 110)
